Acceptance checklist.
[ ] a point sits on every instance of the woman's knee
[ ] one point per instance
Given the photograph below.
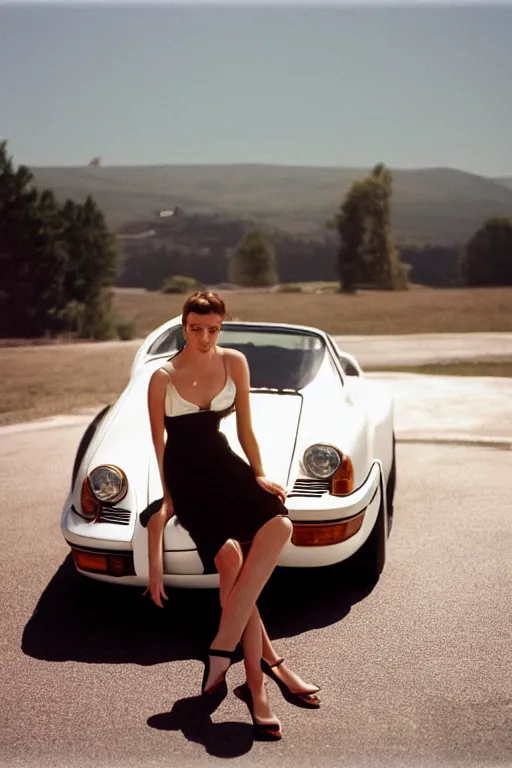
(280, 527)
(230, 556)
(286, 525)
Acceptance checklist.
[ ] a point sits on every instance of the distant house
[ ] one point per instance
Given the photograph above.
(170, 212)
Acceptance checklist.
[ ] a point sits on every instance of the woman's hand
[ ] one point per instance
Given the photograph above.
(156, 591)
(271, 487)
(156, 525)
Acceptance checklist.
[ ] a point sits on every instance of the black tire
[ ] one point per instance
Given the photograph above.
(391, 487)
(368, 562)
(85, 441)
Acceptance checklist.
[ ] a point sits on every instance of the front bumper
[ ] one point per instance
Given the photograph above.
(360, 507)
(126, 555)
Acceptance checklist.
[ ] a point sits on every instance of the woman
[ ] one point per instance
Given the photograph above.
(233, 512)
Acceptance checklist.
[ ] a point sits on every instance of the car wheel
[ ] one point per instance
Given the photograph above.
(84, 442)
(390, 487)
(368, 562)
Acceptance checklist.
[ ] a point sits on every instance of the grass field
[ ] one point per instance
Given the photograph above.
(48, 380)
(419, 310)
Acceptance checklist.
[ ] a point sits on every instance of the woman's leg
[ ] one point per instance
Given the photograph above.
(229, 562)
(255, 640)
(259, 564)
(295, 683)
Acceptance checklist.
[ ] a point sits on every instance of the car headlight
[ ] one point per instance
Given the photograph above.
(108, 483)
(321, 460)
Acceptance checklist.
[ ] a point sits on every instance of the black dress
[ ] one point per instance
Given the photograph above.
(215, 493)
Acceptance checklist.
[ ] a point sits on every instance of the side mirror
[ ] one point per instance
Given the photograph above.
(349, 368)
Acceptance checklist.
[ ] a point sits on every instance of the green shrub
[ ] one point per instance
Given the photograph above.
(99, 322)
(253, 262)
(400, 276)
(72, 317)
(126, 328)
(290, 288)
(179, 284)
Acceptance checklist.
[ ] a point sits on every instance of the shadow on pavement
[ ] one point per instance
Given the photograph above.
(191, 716)
(78, 619)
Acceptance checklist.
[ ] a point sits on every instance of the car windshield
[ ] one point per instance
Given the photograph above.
(278, 358)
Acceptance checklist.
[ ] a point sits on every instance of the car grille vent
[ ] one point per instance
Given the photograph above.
(310, 486)
(114, 515)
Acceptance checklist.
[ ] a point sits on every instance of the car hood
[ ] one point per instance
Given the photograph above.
(275, 419)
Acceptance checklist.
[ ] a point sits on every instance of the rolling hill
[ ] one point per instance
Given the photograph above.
(433, 205)
(505, 181)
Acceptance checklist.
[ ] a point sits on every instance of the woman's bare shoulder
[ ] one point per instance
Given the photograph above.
(234, 354)
(238, 368)
(161, 376)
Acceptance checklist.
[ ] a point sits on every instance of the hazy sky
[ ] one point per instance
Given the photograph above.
(411, 86)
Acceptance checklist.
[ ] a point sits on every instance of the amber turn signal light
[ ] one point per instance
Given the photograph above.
(342, 482)
(103, 562)
(313, 535)
(91, 507)
(90, 561)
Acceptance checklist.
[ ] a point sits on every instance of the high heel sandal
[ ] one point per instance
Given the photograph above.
(262, 731)
(221, 683)
(307, 700)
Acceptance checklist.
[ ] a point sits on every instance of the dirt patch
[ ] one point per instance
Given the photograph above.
(45, 381)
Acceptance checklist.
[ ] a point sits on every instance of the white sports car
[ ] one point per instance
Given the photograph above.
(325, 433)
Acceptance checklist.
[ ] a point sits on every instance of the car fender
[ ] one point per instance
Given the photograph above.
(329, 415)
(380, 406)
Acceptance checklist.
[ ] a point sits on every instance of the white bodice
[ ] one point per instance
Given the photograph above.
(176, 405)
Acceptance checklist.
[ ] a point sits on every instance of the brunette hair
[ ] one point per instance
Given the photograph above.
(204, 303)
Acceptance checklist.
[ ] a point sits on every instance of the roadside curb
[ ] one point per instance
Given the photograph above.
(50, 422)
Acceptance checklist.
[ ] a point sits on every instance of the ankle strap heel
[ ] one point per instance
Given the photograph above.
(221, 682)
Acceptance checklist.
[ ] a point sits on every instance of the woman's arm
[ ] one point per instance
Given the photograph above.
(241, 376)
(156, 406)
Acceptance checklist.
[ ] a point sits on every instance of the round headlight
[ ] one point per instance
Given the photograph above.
(321, 460)
(108, 483)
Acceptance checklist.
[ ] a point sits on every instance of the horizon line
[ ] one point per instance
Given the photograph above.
(311, 166)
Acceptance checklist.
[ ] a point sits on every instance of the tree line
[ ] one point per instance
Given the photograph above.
(58, 262)
(148, 265)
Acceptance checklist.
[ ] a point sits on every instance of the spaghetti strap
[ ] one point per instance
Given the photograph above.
(225, 366)
(166, 372)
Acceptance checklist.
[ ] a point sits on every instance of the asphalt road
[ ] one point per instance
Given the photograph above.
(425, 348)
(415, 672)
